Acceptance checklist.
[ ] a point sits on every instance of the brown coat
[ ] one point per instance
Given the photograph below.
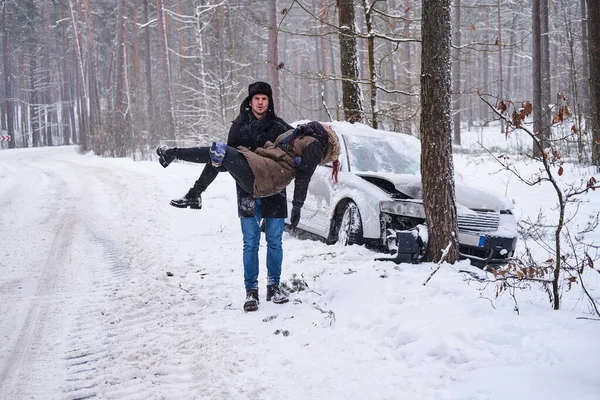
(273, 167)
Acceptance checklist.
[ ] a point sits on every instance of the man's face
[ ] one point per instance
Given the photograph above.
(259, 105)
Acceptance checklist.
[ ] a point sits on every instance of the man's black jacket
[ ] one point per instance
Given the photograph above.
(252, 133)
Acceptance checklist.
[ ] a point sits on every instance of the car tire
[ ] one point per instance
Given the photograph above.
(348, 225)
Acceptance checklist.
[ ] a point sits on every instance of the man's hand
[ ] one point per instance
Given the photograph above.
(295, 217)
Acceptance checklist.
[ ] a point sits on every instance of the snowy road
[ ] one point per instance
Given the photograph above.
(87, 309)
(66, 248)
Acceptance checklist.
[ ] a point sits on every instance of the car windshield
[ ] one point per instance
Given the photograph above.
(394, 154)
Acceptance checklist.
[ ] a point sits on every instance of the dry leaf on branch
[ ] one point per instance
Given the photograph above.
(558, 118)
(516, 119)
(502, 107)
(526, 109)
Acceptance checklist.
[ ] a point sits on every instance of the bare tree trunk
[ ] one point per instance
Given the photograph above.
(200, 99)
(336, 95)
(585, 63)
(85, 137)
(73, 74)
(536, 50)
(323, 45)
(408, 58)
(7, 79)
(272, 56)
(222, 69)
(164, 68)
(94, 95)
(371, 64)
(46, 80)
(574, 83)
(436, 131)
(486, 68)
(594, 44)
(511, 56)
(149, 95)
(545, 54)
(351, 93)
(500, 61)
(456, 73)
(180, 48)
(122, 112)
(137, 64)
(33, 88)
(64, 82)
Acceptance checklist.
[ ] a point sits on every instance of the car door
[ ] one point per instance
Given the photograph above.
(319, 201)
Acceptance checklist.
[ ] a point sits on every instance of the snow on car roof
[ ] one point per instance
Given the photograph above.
(371, 150)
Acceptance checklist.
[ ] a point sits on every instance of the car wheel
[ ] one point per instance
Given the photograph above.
(349, 225)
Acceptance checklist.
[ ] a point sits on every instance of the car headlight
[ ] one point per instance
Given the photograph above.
(403, 207)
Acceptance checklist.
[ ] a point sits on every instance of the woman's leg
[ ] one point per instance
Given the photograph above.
(193, 198)
(233, 161)
(208, 175)
(240, 170)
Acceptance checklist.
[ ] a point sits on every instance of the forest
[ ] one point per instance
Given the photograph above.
(117, 77)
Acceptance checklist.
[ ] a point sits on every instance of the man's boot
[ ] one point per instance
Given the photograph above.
(275, 294)
(192, 200)
(251, 303)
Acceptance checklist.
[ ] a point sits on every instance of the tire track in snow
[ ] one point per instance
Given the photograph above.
(132, 315)
(122, 322)
(31, 347)
(89, 346)
(82, 257)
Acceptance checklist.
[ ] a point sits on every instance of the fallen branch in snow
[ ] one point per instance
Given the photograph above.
(269, 318)
(181, 287)
(330, 314)
(324, 255)
(490, 300)
(318, 275)
(439, 264)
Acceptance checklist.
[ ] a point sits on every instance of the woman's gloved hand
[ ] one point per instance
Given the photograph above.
(295, 217)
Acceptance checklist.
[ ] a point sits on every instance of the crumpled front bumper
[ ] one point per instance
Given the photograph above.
(485, 250)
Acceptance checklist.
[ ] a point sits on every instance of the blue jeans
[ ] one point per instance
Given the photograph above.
(251, 238)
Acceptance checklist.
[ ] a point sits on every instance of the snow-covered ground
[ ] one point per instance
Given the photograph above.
(108, 292)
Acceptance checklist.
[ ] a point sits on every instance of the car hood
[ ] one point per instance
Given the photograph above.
(467, 196)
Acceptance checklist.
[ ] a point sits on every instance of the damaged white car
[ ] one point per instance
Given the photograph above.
(378, 202)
